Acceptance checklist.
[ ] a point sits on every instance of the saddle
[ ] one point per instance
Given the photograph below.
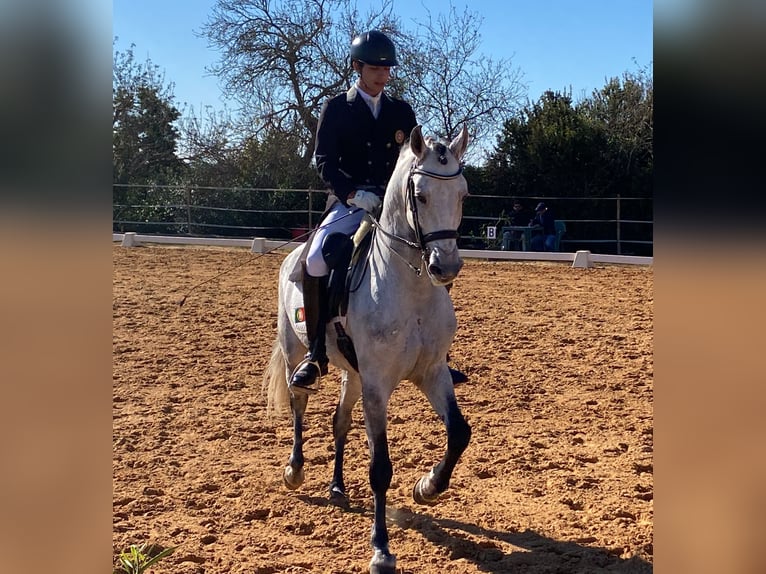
(346, 258)
(343, 256)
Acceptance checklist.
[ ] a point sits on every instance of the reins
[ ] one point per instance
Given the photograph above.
(253, 258)
(422, 239)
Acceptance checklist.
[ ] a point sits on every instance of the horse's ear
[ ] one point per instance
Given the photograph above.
(460, 143)
(417, 144)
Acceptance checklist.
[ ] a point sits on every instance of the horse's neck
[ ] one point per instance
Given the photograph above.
(393, 217)
(394, 222)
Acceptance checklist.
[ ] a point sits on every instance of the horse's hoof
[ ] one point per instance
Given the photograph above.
(383, 563)
(338, 497)
(419, 495)
(293, 478)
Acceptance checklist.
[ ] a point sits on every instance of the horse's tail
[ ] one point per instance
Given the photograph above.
(274, 384)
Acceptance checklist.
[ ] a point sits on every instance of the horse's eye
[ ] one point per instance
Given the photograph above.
(420, 198)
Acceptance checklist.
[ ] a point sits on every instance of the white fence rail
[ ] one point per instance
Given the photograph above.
(261, 245)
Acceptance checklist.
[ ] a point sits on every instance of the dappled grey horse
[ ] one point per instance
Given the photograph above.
(401, 320)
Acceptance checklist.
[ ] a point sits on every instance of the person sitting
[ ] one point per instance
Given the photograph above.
(545, 238)
(519, 217)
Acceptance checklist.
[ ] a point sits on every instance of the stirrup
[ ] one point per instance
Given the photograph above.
(314, 386)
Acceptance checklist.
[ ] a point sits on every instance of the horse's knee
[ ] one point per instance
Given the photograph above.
(341, 423)
(458, 430)
(459, 436)
(381, 470)
(380, 475)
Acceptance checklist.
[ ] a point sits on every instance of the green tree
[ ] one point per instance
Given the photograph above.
(548, 149)
(624, 110)
(273, 161)
(598, 148)
(144, 140)
(210, 147)
(144, 135)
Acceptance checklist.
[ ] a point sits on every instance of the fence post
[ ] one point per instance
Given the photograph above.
(188, 211)
(311, 195)
(619, 245)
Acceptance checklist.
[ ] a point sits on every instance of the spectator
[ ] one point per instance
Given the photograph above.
(544, 239)
(519, 217)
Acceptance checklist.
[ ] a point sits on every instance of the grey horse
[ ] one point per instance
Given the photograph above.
(401, 320)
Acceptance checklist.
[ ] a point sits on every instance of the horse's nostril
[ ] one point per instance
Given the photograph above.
(435, 270)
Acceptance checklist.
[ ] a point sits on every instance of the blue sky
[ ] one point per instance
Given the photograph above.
(556, 44)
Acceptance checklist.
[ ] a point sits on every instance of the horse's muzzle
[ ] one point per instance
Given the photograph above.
(443, 267)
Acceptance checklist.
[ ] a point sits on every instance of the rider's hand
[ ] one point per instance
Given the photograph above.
(367, 200)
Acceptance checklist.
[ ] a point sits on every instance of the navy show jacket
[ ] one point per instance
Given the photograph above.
(355, 150)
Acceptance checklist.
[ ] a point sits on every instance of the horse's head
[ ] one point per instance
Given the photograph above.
(435, 191)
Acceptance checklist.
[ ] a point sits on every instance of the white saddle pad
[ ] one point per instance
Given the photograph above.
(296, 309)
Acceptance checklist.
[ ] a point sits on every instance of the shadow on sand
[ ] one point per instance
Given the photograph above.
(539, 554)
(543, 555)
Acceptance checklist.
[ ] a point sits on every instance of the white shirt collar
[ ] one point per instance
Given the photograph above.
(372, 102)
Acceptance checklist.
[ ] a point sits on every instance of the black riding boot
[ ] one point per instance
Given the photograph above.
(457, 376)
(315, 305)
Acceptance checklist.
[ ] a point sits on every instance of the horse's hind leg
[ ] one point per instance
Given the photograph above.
(293, 475)
(351, 390)
(430, 486)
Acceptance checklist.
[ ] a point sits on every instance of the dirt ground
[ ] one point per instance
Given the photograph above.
(558, 477)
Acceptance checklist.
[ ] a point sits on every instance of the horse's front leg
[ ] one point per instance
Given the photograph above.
(351, 390)
(381, 471)
(293, 475)
(431, 485)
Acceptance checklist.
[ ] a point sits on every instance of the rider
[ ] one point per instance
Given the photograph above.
(357, 145)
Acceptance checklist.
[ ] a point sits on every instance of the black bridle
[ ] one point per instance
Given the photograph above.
(423, 240)
(413, 204)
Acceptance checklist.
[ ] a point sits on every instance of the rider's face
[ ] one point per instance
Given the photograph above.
(373, 78)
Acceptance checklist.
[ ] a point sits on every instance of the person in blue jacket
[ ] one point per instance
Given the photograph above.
(545, 239)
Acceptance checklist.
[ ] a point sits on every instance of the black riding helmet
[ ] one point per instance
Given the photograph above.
(374, 48)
